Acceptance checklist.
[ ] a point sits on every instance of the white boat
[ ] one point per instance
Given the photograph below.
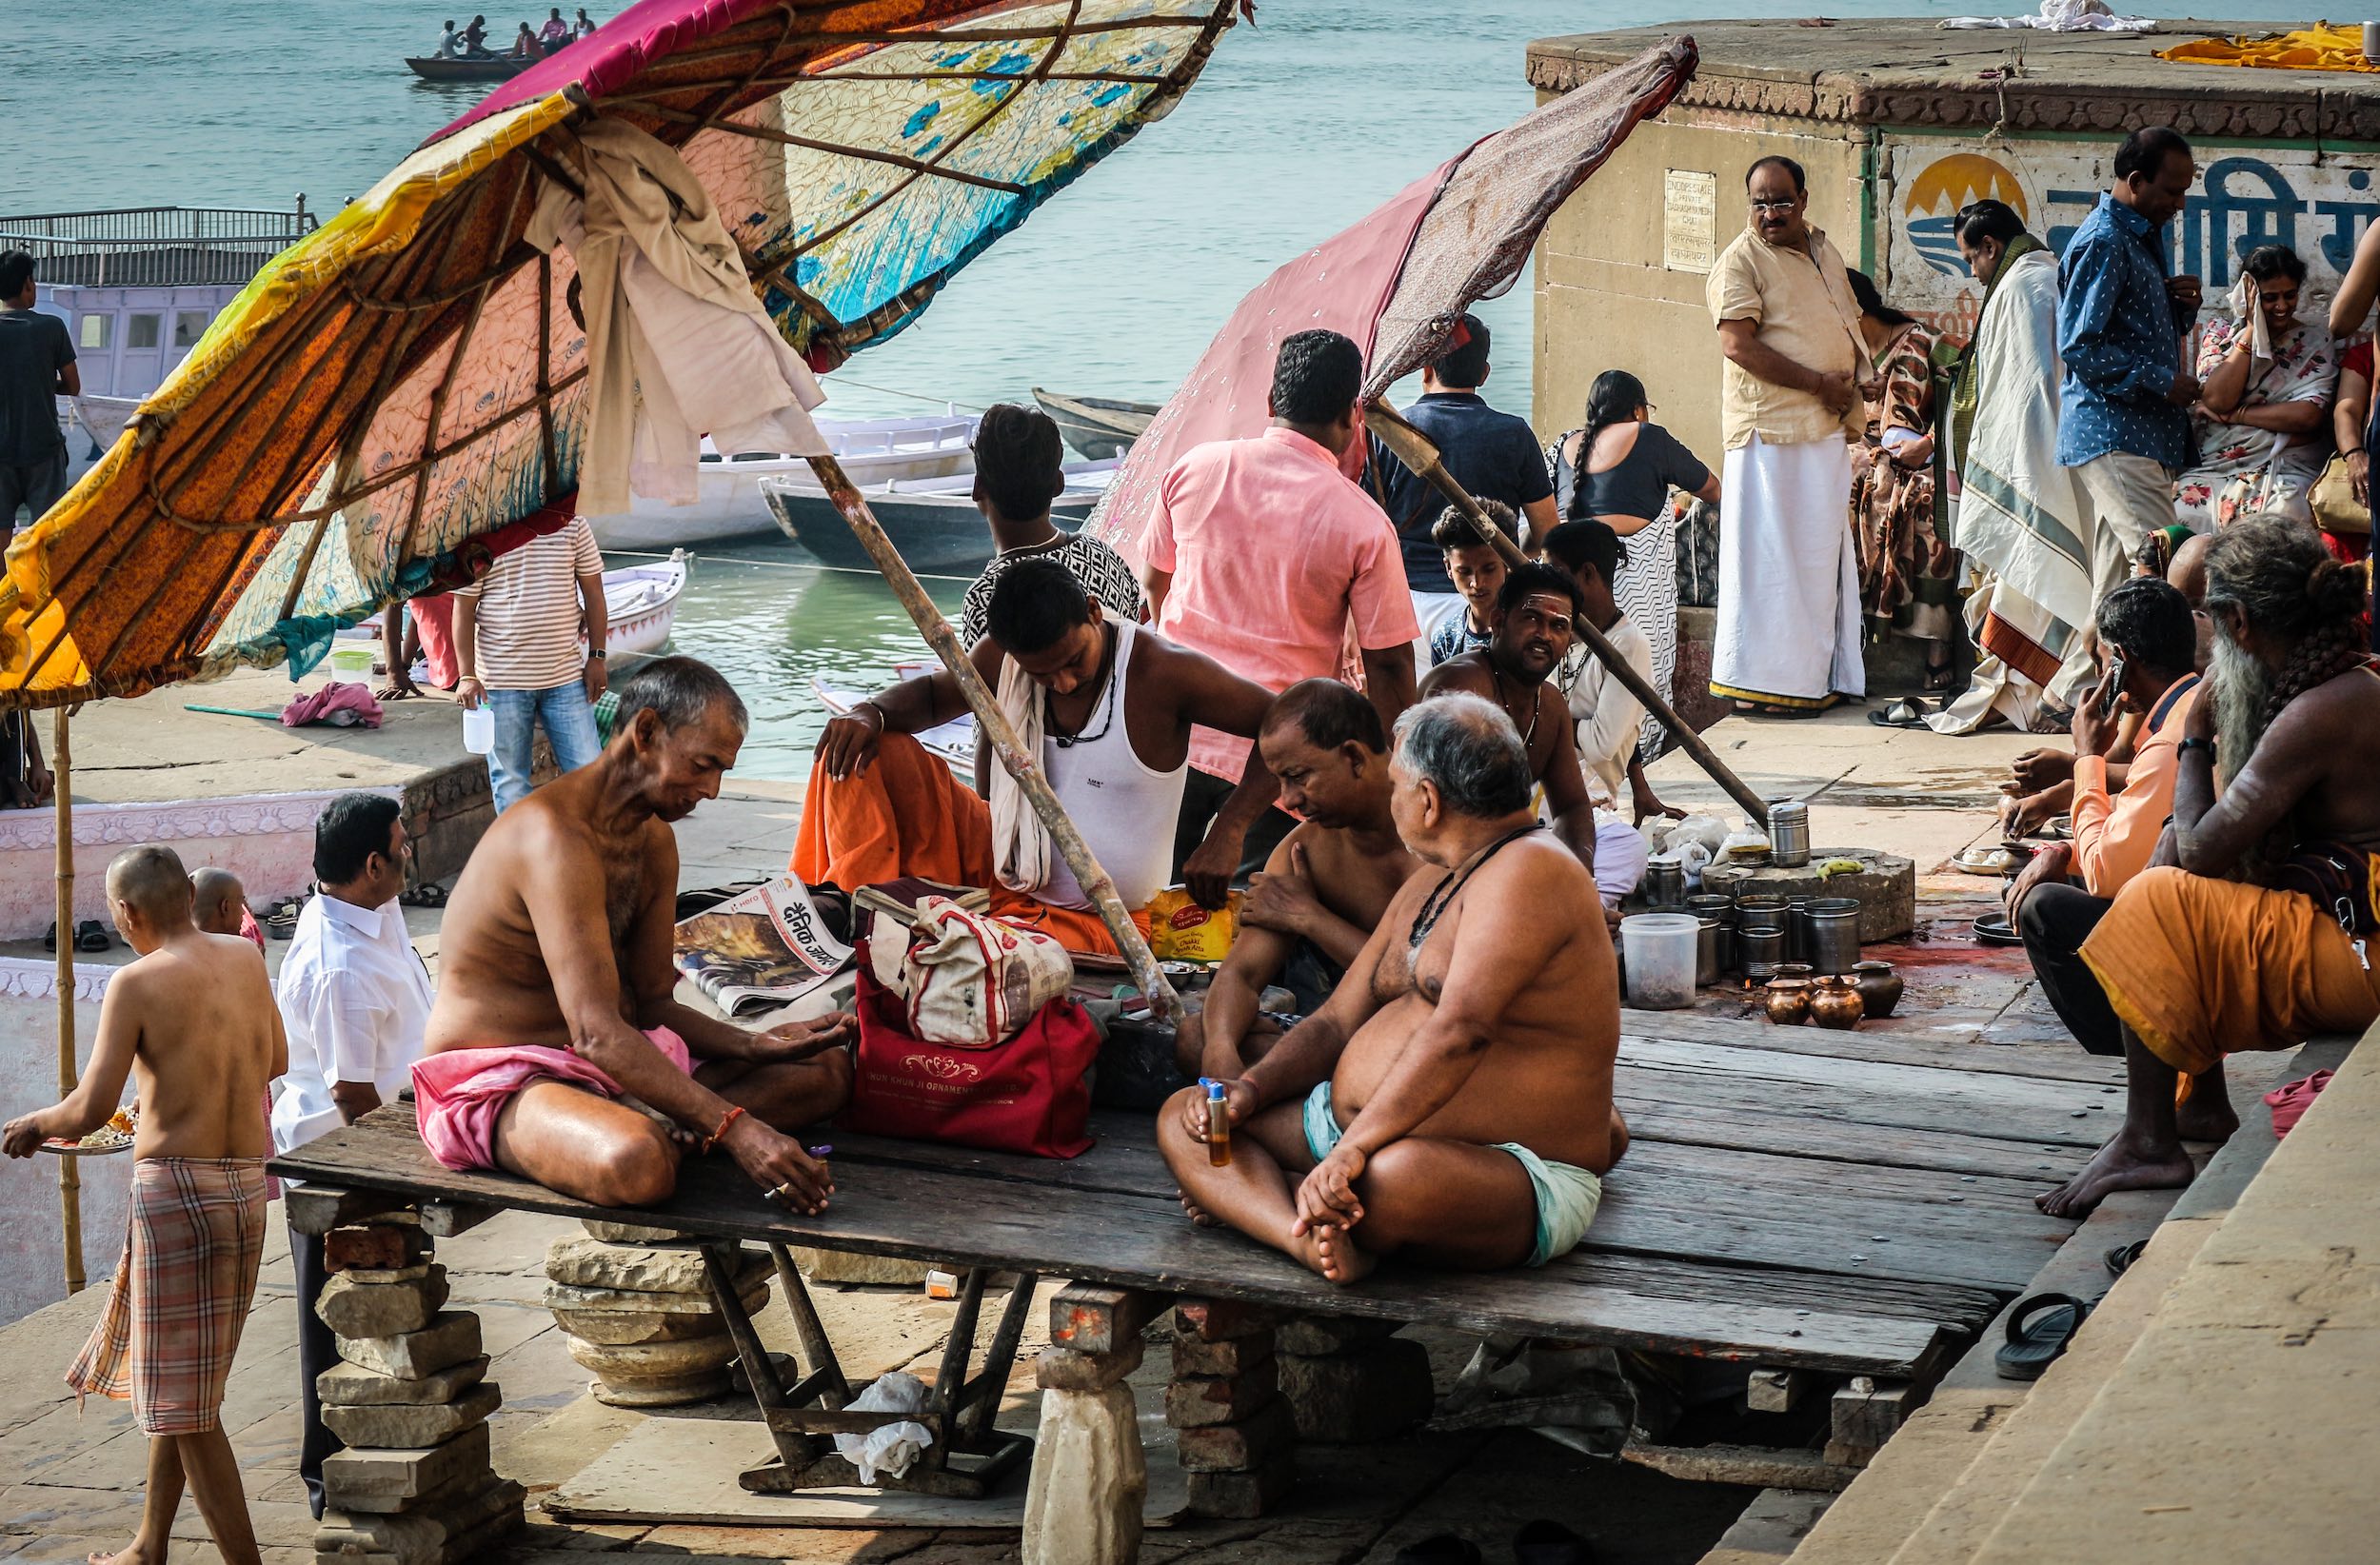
(952, 742)
(640, 606)
(933, 523)
(873, 451)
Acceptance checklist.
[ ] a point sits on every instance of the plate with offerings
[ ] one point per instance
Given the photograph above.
(116, 1136)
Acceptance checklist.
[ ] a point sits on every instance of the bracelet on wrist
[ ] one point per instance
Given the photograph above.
(735, 1112)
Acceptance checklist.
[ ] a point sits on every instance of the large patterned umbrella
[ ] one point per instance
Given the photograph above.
(404, 392)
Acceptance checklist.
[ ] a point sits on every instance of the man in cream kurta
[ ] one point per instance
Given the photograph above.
(1789, 395)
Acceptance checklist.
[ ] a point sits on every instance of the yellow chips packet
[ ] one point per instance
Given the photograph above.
(1181, 930)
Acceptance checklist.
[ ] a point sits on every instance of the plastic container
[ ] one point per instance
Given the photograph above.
(351, 660)
(479, 729)
(1660, 950)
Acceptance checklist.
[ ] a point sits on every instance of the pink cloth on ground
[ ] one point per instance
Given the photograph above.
(458, 1093)
(317, 705)
(2290, 1103)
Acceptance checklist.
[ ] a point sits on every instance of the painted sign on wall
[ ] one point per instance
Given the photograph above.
(2245, 197)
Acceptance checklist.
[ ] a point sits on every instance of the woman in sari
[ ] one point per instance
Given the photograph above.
(1907, 571)
(1620, 469)
(2264, 406)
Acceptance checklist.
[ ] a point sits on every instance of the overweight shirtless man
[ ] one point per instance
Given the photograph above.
(1452, 1100)
(556, 1003)
(1323, 890)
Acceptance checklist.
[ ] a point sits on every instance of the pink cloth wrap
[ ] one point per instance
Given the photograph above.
(458, 1093)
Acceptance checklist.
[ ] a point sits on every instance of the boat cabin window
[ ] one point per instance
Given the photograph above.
(713, 456)
(95, 333)
(753, 456)
(188, 326)
(144, 333)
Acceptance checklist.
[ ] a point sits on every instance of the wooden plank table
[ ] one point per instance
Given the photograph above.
(1788, 1206)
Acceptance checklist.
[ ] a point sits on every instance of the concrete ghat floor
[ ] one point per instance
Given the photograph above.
(70, 1482)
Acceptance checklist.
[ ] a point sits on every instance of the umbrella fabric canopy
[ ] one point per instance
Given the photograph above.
(1397, 281)
(403, 394)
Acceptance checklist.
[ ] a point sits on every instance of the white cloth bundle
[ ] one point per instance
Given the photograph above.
(1021, 849)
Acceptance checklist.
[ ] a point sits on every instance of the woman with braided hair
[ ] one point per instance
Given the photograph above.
(2251, 936)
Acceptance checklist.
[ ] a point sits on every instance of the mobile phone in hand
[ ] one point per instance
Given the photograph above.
(2111, 688)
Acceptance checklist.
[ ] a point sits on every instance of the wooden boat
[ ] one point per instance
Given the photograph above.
(932, 522)
(484, 67)
(641, 603)
(727, 489)
(1097, 426)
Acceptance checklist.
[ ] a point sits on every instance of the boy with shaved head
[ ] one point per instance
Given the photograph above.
(194, 1022)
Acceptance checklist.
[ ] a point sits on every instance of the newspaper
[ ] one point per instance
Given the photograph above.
(765, 948)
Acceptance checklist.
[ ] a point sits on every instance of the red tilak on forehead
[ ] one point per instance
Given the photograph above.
(1556, 607)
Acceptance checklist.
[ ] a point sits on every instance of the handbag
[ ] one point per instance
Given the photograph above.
(1030, 1092)
(970, 980)
(2336, 507)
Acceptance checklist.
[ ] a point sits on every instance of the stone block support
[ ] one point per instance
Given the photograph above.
(1090, 1479)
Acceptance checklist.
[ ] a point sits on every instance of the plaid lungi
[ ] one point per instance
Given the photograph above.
(181, 1292)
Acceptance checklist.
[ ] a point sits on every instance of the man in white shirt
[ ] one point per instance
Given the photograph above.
(1609, 718)
(354, 999)
(451, 44)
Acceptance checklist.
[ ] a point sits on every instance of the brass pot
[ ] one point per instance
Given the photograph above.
(1879, 986)
(1788, 1000)
(1836, 1003)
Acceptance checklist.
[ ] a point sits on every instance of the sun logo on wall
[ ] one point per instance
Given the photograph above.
(1940, 190)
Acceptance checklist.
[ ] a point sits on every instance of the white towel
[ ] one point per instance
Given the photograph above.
(1021, 850)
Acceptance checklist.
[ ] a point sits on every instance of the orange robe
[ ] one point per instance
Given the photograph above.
(907, 815)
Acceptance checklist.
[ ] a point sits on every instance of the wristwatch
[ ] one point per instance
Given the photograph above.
(598, 655)
(2195, 743)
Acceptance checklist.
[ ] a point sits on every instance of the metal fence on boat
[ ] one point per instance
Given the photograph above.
(153, 246)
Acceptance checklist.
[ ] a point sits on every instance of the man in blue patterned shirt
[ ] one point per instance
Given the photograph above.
(2123, 421)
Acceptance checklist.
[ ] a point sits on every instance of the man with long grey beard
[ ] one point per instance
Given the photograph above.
(2252, 934)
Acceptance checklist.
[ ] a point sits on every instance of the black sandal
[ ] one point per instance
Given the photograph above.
(91, 936)
(2120, 1258)
(1903, 713)
(2038, 1331)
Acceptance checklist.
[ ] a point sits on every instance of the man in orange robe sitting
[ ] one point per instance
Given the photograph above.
(1104, 707)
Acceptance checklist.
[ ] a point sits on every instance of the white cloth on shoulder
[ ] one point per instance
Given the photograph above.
(1023, 853)
(677, 344)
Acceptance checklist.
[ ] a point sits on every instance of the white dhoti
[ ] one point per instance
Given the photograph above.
(1789, 576)
(1620, 855)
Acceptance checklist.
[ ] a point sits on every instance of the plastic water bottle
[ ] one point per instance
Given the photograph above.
(479, 729)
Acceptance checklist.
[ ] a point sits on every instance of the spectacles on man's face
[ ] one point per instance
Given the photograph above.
(1785, 206)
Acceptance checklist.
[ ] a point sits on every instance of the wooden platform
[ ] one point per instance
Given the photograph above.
(1851, 1203)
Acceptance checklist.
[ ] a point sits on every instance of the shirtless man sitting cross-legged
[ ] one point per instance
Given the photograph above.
(1452, 1100)
(1307, 916)
(556, 1003)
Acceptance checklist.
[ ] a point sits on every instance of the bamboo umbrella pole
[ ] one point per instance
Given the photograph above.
(1415, 450)
(70, 1174)
(994, 727)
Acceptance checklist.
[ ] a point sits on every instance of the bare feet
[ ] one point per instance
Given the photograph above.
(1333, 1253)
(131, 1554)
(1193, 1211)
(2208, 1117)
(2117, 1166)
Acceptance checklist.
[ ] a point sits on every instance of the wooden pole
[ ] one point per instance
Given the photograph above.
(1415, 450)
(70, 1173)
(994, 726)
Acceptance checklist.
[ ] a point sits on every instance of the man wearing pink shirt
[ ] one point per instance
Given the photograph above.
(1260, 553)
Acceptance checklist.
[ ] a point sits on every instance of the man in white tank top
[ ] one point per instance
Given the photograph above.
(1114, 704)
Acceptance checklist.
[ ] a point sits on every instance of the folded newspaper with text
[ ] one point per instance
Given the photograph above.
(765, 948)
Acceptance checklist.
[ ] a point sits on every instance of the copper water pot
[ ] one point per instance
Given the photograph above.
(1836, 1003)
(1788, 1000)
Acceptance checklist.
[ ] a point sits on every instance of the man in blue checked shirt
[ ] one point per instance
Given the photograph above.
(2123, 421)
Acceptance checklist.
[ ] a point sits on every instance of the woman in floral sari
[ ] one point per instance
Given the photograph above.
(1907, 571)
(2264, 408)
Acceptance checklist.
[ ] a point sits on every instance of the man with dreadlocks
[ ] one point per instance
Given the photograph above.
(2252, 933)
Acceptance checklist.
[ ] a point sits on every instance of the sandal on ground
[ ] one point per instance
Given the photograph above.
(49, 939)
(1903, 713)
(1994, 929)
(91, 936)
(2038, 1330)
(2120, 1258)
(1544, 1542)
(1444, 1549)
(428, 894)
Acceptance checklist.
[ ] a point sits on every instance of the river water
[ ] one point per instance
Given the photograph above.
(1298, 126)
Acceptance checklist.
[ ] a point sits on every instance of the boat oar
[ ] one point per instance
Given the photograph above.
(1416, 451)
(994, 725)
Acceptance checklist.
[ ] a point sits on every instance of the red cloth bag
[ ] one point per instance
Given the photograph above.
(1030, 1094)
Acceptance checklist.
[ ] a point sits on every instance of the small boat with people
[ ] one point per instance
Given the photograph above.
(1098, 428)
(728, 503)
(470, 67)
(933, 523)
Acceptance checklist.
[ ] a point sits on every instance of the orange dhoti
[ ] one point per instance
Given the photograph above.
(2202, 968)
(907, 815)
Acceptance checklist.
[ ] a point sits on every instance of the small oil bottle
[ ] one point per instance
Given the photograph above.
(1217, 1125)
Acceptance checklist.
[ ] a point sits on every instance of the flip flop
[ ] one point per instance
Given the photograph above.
(428, 894)
(2120, 1258)
(49, 938)
(1994, 929)
(1904, 713)
(1444, 1549)
(89, 936)
(1544, 1542)
(2038, 1330)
